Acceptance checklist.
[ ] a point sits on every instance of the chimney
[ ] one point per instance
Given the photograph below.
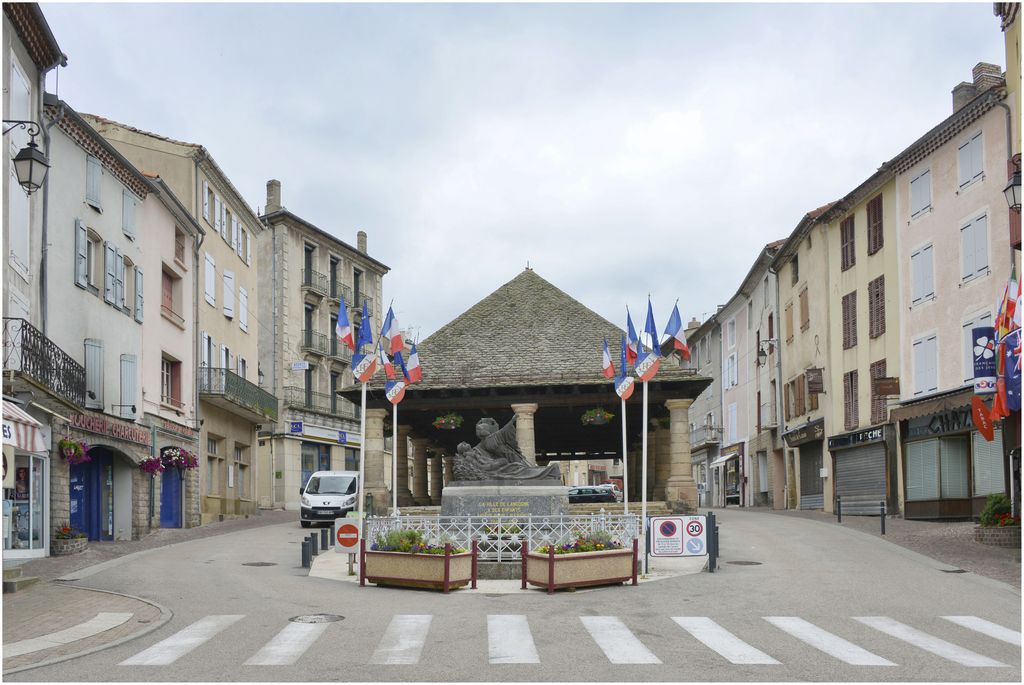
(361, 241)
(987, 76)
(962, 94)
(692, 326)
(273, 195)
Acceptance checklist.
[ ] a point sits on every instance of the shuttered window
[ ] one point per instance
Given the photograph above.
(229, 294)
(922, 457)
(851, 413)
(789, 322)
(925, 369)
(800, 388)
(81, 254)
(205, 350)
(243, 309)
(974, 248)
(850, 320)
(139, 293)
(971, 160)
(248, 248)
(210, 280)
(217, 207)
(128, 386)
(93, 373)
(875, 234)
(953, 453)
(987, 461)
(93, 181)
(119, 279)
(922, 274)
(795, 266)
(876, 307)
(109, 273)
(805, 311)
(206, 200)
(787, 401)
(128, 203)
(920, 194)
(847, 246)
(879, 409)
(224, 222)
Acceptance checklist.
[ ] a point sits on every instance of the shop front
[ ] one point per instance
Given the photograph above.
(311, 448)
(809, 440)
(865, 472)
(26, 463)
(727, 476)
(173, 493)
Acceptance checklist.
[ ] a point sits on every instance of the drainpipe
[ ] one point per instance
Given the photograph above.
(197, 242)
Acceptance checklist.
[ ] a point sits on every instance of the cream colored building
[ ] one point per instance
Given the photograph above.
(309, 273)
(232, 405)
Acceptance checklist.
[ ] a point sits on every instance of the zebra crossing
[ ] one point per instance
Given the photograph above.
(510, 640)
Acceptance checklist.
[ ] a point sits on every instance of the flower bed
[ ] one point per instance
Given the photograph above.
(66, 540)
(403, 559)
(999, 527)
(578, 565)
(1005, 536)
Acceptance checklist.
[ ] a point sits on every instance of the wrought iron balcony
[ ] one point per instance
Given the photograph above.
(230, 391)
(340, 350)
(314, 281)
(703, 435)
(339, 290)
(319, 402)
(312, 341)
(29, 353)
(359, 299)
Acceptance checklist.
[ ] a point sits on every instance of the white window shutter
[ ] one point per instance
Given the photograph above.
(229, 294)
(918, 367)
(978, 155)
(967, 251)
(119, 279)
(206, 200)
(223, 356)
(248, 249)
(210, 281)
(917, 283)
(216, 213)
(981, 244)
(928, 271)
(93, 176)
(964, 162)
(128, 385)
(81, 254)
(243, 309)
(128, 214)
(204, 351)
(138, 294)
(930, 369)
(109, 255)
(94, 373)
(223, 220)
(234, 235)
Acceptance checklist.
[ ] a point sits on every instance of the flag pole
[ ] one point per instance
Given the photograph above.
(362, 460)
(394, 462)
(625, 463)
(643, 481)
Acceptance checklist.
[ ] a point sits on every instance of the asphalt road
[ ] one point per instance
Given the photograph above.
(798, 607)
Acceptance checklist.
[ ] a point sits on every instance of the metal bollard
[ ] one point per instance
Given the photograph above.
(324, 544)
(881, 506)
(839, 509)
(334, 535)
(312, 545)
(307, 560)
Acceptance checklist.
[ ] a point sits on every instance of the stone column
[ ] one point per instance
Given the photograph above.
(420, 495)
(449, 464)
(680, 490)
(400, 446)
(524, 431)
(435, 478)
(652, 451)
(663, 459)
(376, 464)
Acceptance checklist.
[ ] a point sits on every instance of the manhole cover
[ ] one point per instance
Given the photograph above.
(955, 570)
(259, 563)
(744, 563)
(316, 618)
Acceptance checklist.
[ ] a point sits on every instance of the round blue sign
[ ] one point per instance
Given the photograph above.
(667, 528)
(695, 546)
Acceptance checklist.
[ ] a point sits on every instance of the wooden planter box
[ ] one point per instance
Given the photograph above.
(555, 571)
(1007, 536)
(432, 571)
(66, 546)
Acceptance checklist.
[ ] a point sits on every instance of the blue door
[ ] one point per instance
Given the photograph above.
(170, 499)
(92, 495)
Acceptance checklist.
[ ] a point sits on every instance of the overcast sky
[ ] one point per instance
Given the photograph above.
(621, 150)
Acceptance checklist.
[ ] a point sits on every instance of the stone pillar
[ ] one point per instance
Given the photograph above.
(400, 447)
(652, 451)
(420, 495)
(663, 463)
(376, 464)
(435, 478)
(449, 464)
(524, 431)
(680, 490)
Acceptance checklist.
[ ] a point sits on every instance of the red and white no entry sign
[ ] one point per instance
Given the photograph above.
(348, 536)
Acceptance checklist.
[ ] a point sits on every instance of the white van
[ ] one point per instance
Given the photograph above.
(327, 495)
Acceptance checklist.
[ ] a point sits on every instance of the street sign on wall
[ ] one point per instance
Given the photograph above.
(678, 536)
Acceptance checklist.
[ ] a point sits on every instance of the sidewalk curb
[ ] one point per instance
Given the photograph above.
(923, 559)
(165, 616)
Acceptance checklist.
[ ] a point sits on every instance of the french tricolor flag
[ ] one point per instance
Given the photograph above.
(343, 330)
(414, 369)
(389, 368)
(390, 333)
(633, 346)
(401, 365)
(674, 330)
(607, 368)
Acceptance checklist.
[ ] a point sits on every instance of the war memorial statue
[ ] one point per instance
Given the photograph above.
(497, 457)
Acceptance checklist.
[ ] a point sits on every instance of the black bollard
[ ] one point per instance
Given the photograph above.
(881, 506)
(324, 544)
(839, 509)
(307, 559)
(312, 545)
(333, 535)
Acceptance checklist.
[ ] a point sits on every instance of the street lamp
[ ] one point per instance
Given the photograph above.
(763, 348)
(1012, 191)
(30, 164)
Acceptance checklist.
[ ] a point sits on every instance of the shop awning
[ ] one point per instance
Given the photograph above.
(936, 404)
(724, 458)
(21, 430)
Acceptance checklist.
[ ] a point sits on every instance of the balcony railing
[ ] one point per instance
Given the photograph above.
(236, 389)
(339, 290)
(28, 352)
(703, 434)
(340, 350)
(359, 299)
(320, 402)
(313, 341)
(172, 315)
(314, 281)
(769, 417)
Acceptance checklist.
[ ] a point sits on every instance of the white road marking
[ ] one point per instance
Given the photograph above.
(617, 641)
(929, 643)
(987, 628)
(100, 623)
(833, 645)
(403, 640)
(722, 641)
(287, 646)
(509, 640)
(182, 642)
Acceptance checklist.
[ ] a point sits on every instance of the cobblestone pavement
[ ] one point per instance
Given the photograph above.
(949, 542)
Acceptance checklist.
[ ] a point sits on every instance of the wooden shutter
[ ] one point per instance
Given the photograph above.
(229, 294)
(878, 402)
(176, 381)
(128, 214)
(805, 311)
(875, 233)
(128, 386)
(876, 307)
(786, 401)
(109, 277)
(850, 414)
(81, 254)
(847, 246)
(850, 320)
(206, 200)
(167, 291)
(94, 373)
(801, 389)
(789, 322)
(138, 294)
(210, 280)
(243, 309)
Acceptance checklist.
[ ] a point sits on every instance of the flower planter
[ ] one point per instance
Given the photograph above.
(555, 571)
(66, 546)
(432, 571)
(1005, 536)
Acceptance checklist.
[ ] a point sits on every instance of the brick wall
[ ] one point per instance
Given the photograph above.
(998, 537)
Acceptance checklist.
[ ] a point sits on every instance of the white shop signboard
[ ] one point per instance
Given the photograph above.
(678, 536)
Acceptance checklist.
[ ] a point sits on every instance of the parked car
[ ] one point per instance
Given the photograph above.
(614, 490)
(590, 494)
(327, 495)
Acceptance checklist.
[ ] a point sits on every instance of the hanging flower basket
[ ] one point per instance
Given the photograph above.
(152, 465)
(448, 422)
(178, 458)
(74, 451)
(596, 417)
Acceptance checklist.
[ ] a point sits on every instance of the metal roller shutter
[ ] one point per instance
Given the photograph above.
(860, 479)
(811, 486)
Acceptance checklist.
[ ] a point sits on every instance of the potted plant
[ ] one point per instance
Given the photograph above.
(76, 452)
(152, 465)
(596, 417)
(179, 458)
(67, 540)
(597, 559)
(403, 558)
(998, 526)
(448, 422)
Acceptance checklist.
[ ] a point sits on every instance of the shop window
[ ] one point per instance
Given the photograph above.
(987, 460)
(922, 470)
(953, 467)
(23, 504)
